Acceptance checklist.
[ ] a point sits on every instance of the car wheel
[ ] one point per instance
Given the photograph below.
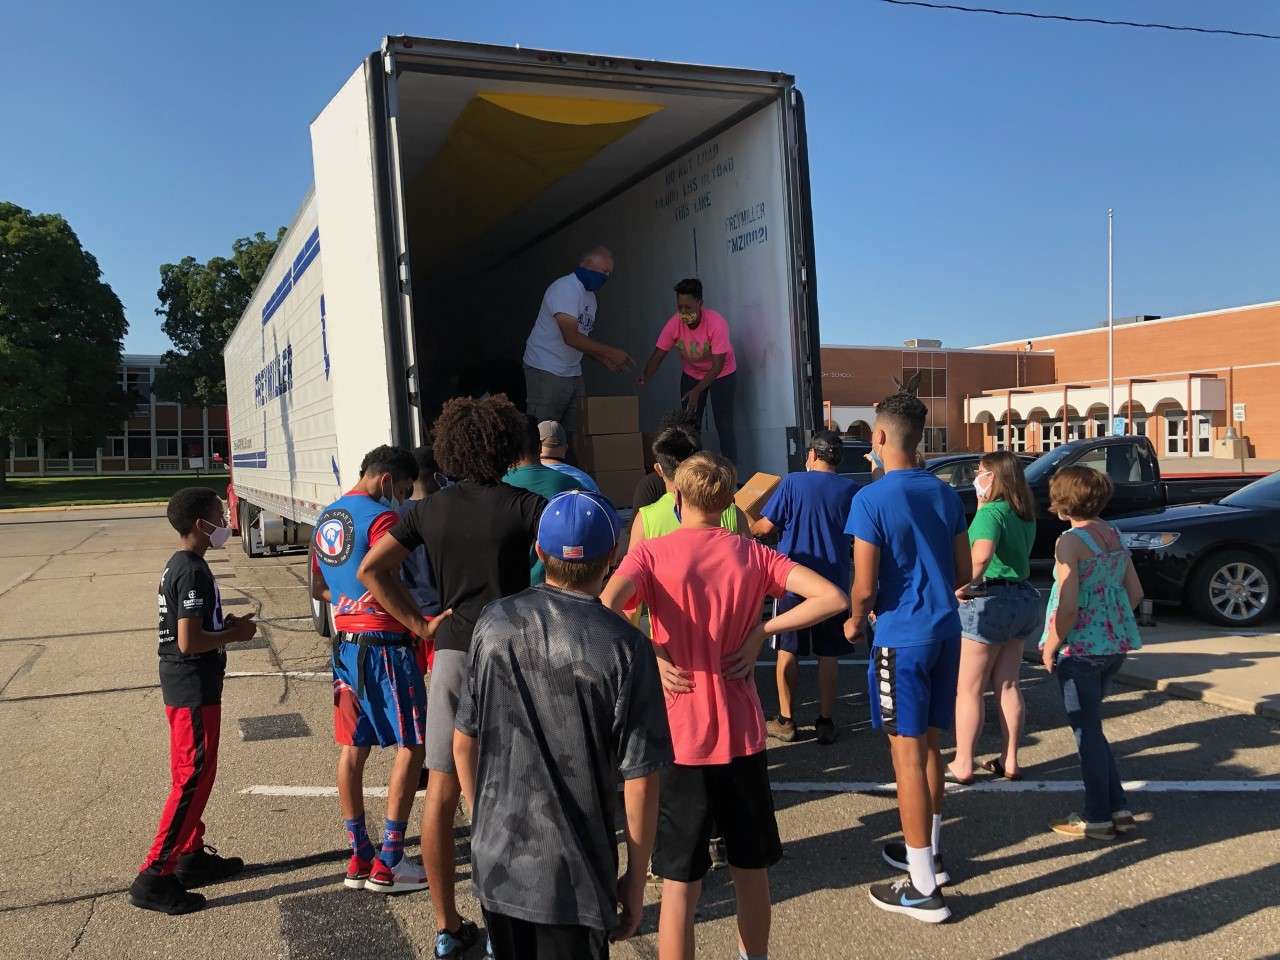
(319, 609)
(1234, 588)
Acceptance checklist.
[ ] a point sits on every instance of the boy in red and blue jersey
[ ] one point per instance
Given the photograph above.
(379, 695)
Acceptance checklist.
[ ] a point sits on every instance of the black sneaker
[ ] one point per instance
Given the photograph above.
(451, 944)
(901, 897)
(895, 854)
(719, 859)
(151, 891)
(827, 732)
(205, 866)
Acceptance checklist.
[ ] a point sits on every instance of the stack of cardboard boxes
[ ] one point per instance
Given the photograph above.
(611, 448)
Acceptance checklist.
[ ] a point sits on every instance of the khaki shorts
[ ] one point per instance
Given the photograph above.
(549, 397)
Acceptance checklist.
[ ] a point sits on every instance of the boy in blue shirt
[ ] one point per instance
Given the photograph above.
(910, 554)
(811, 507)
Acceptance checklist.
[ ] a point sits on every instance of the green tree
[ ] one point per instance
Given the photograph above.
(61, 330)
(201, 304)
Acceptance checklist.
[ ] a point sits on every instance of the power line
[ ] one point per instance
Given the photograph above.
(1068, 19)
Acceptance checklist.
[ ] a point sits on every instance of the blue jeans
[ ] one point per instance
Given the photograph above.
(1084, 682)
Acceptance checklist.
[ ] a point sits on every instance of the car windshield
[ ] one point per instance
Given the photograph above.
(1048, 463)
(1260, 493)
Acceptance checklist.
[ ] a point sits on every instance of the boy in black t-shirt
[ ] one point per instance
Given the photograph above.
(193, 633)
(478, 532)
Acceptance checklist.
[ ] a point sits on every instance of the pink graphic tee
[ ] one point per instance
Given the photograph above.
(697, 346)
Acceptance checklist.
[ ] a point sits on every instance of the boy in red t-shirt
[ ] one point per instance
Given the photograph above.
(704, 587)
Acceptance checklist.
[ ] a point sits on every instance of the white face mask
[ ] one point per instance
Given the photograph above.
(982, 485)
(218, 536)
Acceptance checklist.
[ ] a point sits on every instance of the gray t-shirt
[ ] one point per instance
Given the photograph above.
(545, 349)
(562, 695)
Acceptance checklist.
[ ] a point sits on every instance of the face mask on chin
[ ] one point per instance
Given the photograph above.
(218, 536)
(689, 319)
(593, 280)
(982, 485)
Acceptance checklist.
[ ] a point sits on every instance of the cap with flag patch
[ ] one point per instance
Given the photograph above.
(578, 526)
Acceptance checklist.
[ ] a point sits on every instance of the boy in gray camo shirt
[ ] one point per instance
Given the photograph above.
(562, 696)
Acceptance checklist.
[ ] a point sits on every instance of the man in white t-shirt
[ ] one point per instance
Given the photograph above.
(560, 336)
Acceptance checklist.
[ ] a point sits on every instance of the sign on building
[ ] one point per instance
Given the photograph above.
(1119, 426)
(1237, 412)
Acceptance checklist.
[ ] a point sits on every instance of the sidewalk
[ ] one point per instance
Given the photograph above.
(1174, 466)
(1186, 658)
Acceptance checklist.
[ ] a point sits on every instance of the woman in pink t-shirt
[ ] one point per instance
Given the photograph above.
(707, 364)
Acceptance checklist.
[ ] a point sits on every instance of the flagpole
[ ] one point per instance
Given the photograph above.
(1111, 339)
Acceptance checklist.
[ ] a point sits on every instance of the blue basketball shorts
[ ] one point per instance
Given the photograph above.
(389, 708)
(914, 688)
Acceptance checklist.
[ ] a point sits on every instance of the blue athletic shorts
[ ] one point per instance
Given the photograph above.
(825, 639)
(914, 688)
(391, 709)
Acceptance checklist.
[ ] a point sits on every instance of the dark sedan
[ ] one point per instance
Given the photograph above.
(1221, 559)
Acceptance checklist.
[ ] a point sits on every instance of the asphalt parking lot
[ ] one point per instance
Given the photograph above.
(85, 762)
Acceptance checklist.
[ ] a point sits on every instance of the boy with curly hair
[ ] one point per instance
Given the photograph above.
(478, 533)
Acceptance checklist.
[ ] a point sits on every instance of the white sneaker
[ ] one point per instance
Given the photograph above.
(405, 877)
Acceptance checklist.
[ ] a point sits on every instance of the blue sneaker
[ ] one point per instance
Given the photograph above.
(902, 897)
(453, 944)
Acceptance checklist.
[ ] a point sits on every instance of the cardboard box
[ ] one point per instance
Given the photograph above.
(611, 415)
(619, 485)
(646, 443)
(611, 452)
(755, 493)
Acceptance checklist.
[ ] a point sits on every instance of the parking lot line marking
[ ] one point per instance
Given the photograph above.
(279, 673)
(872, 787)
(813, 662)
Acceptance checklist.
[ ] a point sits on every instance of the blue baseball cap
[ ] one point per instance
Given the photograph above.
(578, 526)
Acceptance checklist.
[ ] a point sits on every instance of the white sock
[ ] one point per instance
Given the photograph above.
(937, 835)
(920, 863)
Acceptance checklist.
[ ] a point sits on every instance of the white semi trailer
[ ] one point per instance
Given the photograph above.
(452, 183)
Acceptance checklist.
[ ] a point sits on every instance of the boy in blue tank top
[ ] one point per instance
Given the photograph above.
(910, 554)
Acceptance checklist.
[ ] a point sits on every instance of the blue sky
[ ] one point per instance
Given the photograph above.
(962, 164)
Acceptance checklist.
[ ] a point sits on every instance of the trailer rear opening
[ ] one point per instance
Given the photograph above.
(507, 178)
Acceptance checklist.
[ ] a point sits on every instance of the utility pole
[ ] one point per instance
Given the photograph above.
(1111, 340)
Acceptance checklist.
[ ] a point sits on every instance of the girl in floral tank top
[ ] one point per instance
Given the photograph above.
(1089, 629)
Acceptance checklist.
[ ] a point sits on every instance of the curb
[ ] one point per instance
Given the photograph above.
(112, 504)
(1175, 688)
(1179, 689)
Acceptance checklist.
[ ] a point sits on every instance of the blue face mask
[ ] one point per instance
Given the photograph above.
(593, 280)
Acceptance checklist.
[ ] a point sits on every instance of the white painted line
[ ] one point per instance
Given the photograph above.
(1039, 786)
(872, 787)
(813, 662)
(280, 673)
(321, 792)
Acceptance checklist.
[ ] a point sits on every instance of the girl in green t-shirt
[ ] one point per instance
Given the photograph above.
(999, 609)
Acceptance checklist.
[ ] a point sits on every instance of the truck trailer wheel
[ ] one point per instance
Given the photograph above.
(250, 538)
(1234, 588)
(320, 613)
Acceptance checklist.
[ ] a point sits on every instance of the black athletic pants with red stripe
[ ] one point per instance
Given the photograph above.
(193, 761)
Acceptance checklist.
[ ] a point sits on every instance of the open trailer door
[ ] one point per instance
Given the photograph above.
(363, 261)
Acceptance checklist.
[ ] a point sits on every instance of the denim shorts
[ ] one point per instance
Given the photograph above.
(1007, 610)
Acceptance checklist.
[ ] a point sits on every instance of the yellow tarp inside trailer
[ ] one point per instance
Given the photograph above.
(502, 151)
